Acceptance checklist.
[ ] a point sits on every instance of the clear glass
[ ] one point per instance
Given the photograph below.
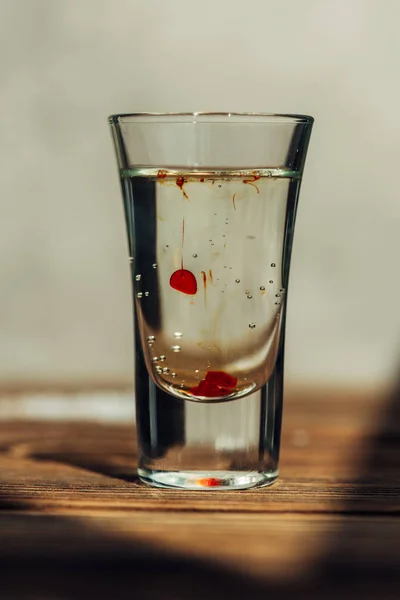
(210, 203)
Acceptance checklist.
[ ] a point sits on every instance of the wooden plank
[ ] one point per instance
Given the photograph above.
(70, 503)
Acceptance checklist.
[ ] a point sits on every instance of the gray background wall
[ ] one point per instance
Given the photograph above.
(66, 64)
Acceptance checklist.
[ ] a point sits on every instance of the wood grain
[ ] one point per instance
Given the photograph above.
(69, 498)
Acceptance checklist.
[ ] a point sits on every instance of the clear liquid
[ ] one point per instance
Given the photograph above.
(233, 232)
(227, 230)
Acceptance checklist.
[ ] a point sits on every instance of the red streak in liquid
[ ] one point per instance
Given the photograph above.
(179, 182)
(251, 181)
(215, 384)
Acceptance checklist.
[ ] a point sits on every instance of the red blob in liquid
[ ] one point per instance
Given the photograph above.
(221, 379)
(184, 281)
(209, 482)
(215, 384)
(179, 182)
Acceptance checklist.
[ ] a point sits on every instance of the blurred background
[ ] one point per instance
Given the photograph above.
(65, 65)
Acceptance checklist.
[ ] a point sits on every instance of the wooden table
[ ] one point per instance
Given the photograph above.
(76, 523)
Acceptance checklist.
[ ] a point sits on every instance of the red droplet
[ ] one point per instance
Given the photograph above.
(215, 384)
(184, 281)
(221, 379)
(209, 390)
(202, 179)
(161, 174)
(209, 482)
(179, 182)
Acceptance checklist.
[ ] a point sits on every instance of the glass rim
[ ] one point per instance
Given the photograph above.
(210, 117)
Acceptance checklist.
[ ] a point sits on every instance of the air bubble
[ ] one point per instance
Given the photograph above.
(176, 348)
(178, 334)
(151, 338)
(173, 375)
(158, 369)
(277, 295)
(271, 281)
(277, 303)
(273, 265)
(139, 295)
(237, 280)
(247, 292)
(165, 371)
(249, 296)
(155, 359)
(262, 288)
(194, 255)
(252, 325)
(162, 358)
(138, 277)
(147, 294)
(219, 185)
(154, 265)
(196, 371)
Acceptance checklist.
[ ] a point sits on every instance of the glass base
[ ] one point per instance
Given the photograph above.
(206, 480)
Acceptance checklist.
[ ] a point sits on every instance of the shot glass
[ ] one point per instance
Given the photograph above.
(210, 203)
